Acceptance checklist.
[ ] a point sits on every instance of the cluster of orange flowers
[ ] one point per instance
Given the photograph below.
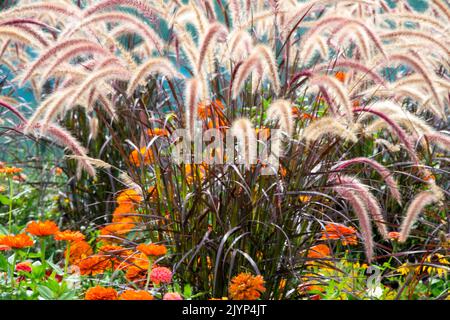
(123, 221)
(334, 231)
(320, 251)
(246, 286)
(10, 170)
(213, 113)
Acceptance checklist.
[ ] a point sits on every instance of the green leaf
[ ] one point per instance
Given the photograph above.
(3, 263)
(5, 200)
(45, 292)
(58, 270)
(187, 291)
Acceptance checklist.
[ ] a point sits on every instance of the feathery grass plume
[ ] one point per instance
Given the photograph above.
(192, 97)
(401, 134)
(261, 57)
(370, 202)
(138, 5)
(54, 99)
(281, 110)
(152, 65)
(243, 130)
(109, 73)
(339, 90)
(412, 123)
(441, 7)
(16, 112)
(66, 56)
(357, 36)
(239, 45)
(355, 65)
(7, 32)
(383, 171)
(253, 62)
(38, 39)
(268, 58)
(151, 38)
(65, 139)
(215, 31)
(422, 200)
(327, 125)
(422, 70)
(438, 138)
(59, 10)
(362, 214)
(235, 7)
(389, 146)
(416, 36)
(314, 32)
(51, 52)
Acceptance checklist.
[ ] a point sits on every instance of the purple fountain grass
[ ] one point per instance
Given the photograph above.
(13, 110)
(383, 171)
(216, 30)
(148, 34)
(152, 65)
(363, 217)
(401, 134)
(281, 109)
(140, 6)
(415, 208)
(369, 201)
(338, 89)
(192, 97)
(51, 52)
(243, 130)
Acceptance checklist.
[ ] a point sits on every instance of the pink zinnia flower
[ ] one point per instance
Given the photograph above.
(172, 296)
(161, 274)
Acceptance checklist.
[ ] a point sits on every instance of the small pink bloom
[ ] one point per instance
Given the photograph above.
(161, 274)
(23, 266)
(172, 296)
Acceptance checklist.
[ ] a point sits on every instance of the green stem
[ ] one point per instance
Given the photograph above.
(148, 275)
(66, 262)
(13, 268)
(42, 241)
(10, 204)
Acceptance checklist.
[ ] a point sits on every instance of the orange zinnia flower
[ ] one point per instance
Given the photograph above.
(118, 228)
(93, 265)
(152, 249)
(347, 235)
(135, 295)
(340, 75)
(319, 251)
(68, 235)
(158, 132)
(101, 293)
(16, 241)
(10, 170)
(122, 211)
(78, 251)
(138, 271)
(42, 228)
(393, 235)
(206, 110)
(129, 197)
(245, 286)
(118, 255)
(143, 154)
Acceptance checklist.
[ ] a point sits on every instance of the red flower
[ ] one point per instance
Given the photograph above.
(23, 266)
